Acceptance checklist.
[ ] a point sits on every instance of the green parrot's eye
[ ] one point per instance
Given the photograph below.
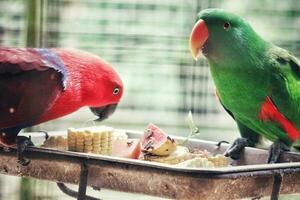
(116, 90)
(226, 26)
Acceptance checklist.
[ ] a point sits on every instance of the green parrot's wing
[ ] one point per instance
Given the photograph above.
(285, 60)
(285, 84)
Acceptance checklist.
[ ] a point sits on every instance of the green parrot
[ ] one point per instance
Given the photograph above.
(257, 82)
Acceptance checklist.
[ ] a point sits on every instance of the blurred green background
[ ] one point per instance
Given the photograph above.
(147, 43)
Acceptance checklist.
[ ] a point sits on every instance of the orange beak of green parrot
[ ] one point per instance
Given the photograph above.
(198, 37)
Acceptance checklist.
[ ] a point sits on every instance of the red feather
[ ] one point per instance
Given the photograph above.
(26, 59)
(269, 112)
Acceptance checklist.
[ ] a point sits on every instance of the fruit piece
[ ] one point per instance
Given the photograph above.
(156, 142)
(130, 148)
(181, 154)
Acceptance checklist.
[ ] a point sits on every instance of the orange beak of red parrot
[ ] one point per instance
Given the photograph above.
(198, 37)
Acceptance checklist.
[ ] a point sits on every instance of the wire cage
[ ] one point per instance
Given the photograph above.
(147, 42)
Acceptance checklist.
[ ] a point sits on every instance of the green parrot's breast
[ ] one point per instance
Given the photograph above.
(241, 89)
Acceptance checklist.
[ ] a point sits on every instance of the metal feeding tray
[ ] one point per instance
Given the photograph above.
(249, 177)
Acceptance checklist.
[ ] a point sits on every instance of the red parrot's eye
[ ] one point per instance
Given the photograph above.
(116, 90)
(226, 26)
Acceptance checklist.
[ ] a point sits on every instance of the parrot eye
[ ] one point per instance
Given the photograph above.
(226, 26)
(116, 90)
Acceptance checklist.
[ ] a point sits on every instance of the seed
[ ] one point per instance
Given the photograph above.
(149, 133)
(149, 145)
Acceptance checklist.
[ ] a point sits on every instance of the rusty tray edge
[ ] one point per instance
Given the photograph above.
(223, 170)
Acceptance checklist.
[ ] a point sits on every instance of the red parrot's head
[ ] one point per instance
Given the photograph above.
(111, 89)
(108, 91)
(101, 86)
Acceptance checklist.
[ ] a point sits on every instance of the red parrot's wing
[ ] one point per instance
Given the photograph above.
(30, 82)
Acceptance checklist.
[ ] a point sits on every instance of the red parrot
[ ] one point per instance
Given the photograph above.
(39, 84)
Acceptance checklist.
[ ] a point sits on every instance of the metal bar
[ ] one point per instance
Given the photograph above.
(67, 190)
(83, 181)
(278, 176)
(71, 192)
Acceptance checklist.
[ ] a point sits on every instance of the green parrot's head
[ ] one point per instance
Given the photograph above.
(221, 35)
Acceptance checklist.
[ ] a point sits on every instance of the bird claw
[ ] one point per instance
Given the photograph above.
(276, 149)
(22, 143)
(221, 142)
(236, 148)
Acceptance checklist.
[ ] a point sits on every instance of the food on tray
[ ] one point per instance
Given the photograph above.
(126, 148)
(184, 158)
(103, 140)
(156, 142)
(56, 142)
(97, 140)
(179, 155)
(219, 160)
(196, 162)
(207, 161)
(155, 146)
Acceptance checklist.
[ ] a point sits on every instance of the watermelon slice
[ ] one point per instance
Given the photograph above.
(124, 148)
(155, 141)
